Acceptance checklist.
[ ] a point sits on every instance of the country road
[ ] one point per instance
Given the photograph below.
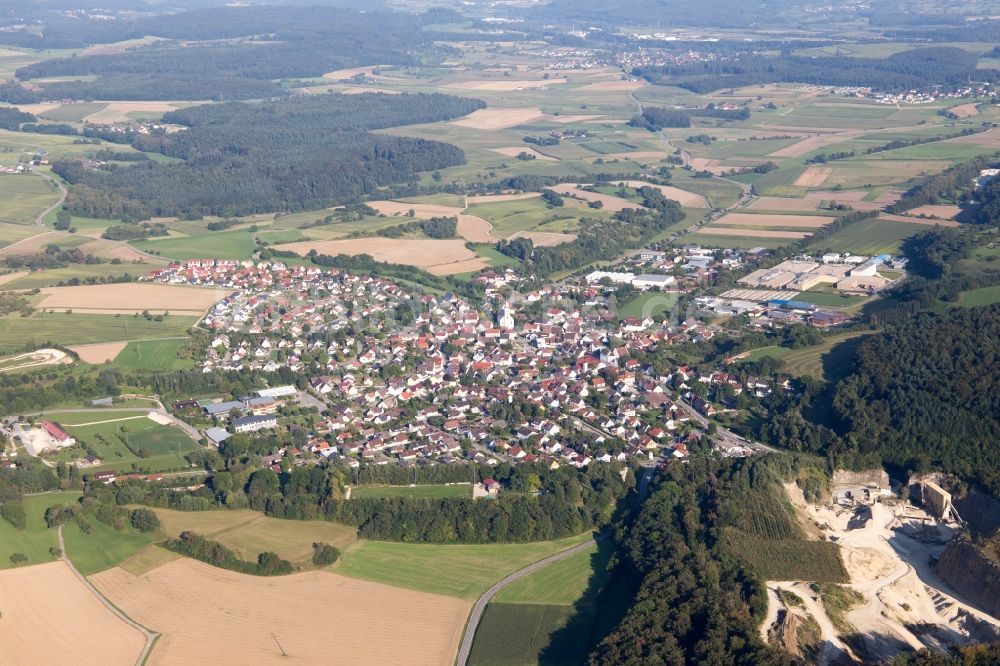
(477, 611)
(40, 220)
(150, 636)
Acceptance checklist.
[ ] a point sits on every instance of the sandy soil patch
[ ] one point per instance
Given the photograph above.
(944, 211)
(813, 177)
(624, 86)
(99, 353)
(918, 220)
(49, 617)
(491, 198)
(783, 203)
(117, 112)
(34, 359)
(545, 238)
(573, 119)
(764, 220)
(610, 202)
(475, 229)
(131, 297)
(497, 118)
(964, 110)
(414, 252)
(683, 197)
(10, 277)
(504, 86)
(208, 614)
(421, 211)
(455, 268)
(514, 151)
(703, 163)
(751, 233)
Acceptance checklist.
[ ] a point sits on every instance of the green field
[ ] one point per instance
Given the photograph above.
(11, 233)
(521, 634)
(24, 197)
(51, 277)
(221, 245)
(426, 492)
(126, 429)
(829, 299)
(74, 112)
(77, 329)
(464, 571)
(872, 236)
(977, 297)
(36, 539)
(104, 547)
(828, 361)
(509, 217)
(560, 583)
(154, 355)
(653, 304)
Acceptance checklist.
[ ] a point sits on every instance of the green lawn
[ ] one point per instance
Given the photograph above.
(464, 571)
(109, 439)
(104, 547)
(509, 217)
(76, 329)
(426, 492)
(36, 539)
(216, 245)
(653, 303)
(153, 355)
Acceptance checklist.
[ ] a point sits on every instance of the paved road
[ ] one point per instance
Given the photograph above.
(722, 433)
(150, 636)
(40, 220)
(480, 607)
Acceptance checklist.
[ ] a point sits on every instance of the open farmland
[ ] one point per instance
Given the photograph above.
(497, 118)
(130, 298)
(50, 617)
(216, 245)
(36, 538)
(829, 360)
(441, 257)
(51, 277)
(608, 201)
(76, 329)
(871, 236)
(533, 214)
(683, 197)
(206, 613)
(772, 221)
(153, 355)
(24, 197)
(99, 353)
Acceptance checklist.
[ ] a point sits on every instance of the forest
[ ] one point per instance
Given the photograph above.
(914, 69)
(284, 155)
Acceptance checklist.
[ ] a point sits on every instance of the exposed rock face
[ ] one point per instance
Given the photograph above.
(973, 575)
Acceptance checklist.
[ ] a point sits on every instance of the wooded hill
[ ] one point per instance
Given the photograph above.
(287, 155)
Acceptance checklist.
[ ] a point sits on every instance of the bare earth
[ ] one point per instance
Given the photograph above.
(964, 110)
(918, 220)
(503, 86)
(989, 138)
(496, 118)
(751, 233)
(764, 220)
(99, 353)
(475, 229)
(415, 252)
(683, 197)
(422, 211)
(49, 617)
(545, 238)
(205, 614)
(813, 177)
(611, 203)
(943, 211)
(117, 112)
(782, 203)
(131, 297)
(514, 151)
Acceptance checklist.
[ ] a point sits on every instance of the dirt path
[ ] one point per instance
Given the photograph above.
(125, 418)
(40, 220)
(150, 636)
(833, 649)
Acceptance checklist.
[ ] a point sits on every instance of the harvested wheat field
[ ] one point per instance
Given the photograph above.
(496, 118)
(117, 112)
(458, 267)
(492, 198)
(210, 615)
(10, 277)
(683, 197)
(964, 110)
(503, 86)
(751, 233)
(422, 211)
(32, 244)
(573, 119)
(39, 108)
(50, 617)
(99, 353)
(638, 155)
(623, 86)
(609, 202)
(813, 177)
(889, 197)
(806, 146)
(764, 220)
(989, 138)
(475, 229)
(131, 297)
(943, 211)
(514, 151)
(784, 203)
(414, 252)
(545, 238)
(926, 221)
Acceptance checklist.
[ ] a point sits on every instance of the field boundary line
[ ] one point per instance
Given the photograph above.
(476, 615)
(124, 418)
(150, 635)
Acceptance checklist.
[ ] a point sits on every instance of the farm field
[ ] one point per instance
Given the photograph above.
(422, 491)
(153, 355)
(51, 277)
(238, 617)
(871, 236)
(35, 539)
(441, 257)
(535, 625)
(131, 298)
(463, 571)
(24, 198)
(252, 532)
(828, 361)
(653, 304)
(532, 214)
(215, 245)
(50, 617)
(104, 547)
(72, 113)
(100, 353)
(12, 233)
(77, 328)
(829, 299)
(765, 221)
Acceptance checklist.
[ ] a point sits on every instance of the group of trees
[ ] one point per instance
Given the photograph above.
(214, 553)
(656, 118)
(913, 69)
(953, 184)
(284, 155)
(436, 227)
